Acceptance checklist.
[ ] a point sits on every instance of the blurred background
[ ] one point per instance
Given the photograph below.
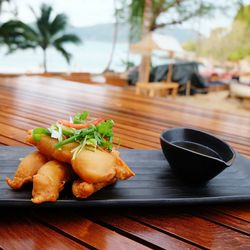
(203, 46)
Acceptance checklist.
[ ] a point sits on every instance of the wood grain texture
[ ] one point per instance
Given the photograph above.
(29, 102)
(137, 229)
(21, 232)
(237, 210)
(56, 99)
(226, 220)
(90, 232)
(195, 229)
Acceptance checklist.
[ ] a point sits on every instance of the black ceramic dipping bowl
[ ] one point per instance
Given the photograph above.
(195, 156)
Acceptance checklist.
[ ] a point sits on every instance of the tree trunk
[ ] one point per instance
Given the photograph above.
(144, 68)
(44, 61)
(115, 34)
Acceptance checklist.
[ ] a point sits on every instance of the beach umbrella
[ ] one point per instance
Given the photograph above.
(152, 42)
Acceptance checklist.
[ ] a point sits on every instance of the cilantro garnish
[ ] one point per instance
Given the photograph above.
(90, 137)
(80, 117)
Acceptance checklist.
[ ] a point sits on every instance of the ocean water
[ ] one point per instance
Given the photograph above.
(91, 56)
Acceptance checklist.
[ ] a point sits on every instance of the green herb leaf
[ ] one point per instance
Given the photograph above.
(79, 136)
(106, 128)
(67, 141)
(37, 132)
(68, 131)
(80, 117)
(95, 135)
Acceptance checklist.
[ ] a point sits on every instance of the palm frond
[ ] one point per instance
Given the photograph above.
(67, 38)
(16, 34)
(136, 10)
(43, 25)
(45, 13)
(58, 24)
(65, 53)
(14, 26)
(60, 41)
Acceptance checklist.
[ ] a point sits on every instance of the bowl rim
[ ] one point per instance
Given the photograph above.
(227, 163)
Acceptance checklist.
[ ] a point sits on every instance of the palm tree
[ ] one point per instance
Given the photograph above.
(46, 32)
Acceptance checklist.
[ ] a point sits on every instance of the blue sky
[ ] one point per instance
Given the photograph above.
(91, 12)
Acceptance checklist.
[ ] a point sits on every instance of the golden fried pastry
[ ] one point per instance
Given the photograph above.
(46, 145)
(27, 169)
(91, 166)
(83, 142)
(123, 171)
(82, 189)
(49, 181)
(94, 166)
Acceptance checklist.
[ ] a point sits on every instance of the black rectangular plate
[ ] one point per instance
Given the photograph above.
(153, 185)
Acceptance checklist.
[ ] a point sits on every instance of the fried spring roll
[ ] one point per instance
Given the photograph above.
(46, 145)
(123, 171)
(82, 189)
(49, 181)
(94, 166)
(27, 168)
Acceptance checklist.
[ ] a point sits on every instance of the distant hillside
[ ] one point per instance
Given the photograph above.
(181, 34)
(104, 32)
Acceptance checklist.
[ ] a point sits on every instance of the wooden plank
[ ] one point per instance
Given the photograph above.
(88, 231)
(21, 232)
(139, 230)
(12, 132)
(11, 141)
(226, 220)
(132, 125)
(240, 211)
(195, 229)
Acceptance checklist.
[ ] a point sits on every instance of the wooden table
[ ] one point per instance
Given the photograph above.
(29, 102)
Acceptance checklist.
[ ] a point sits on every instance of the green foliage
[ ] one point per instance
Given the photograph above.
(190, 46)
(46, 32)
(128, 64)
(18, 35)
(241, 21)
(167, 12)
(240, 53)
(243, 14)
(232, 45)
(235, 56)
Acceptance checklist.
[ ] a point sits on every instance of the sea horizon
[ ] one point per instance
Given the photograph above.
(91, 56)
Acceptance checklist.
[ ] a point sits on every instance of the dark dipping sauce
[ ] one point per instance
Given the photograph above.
(196, 147)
